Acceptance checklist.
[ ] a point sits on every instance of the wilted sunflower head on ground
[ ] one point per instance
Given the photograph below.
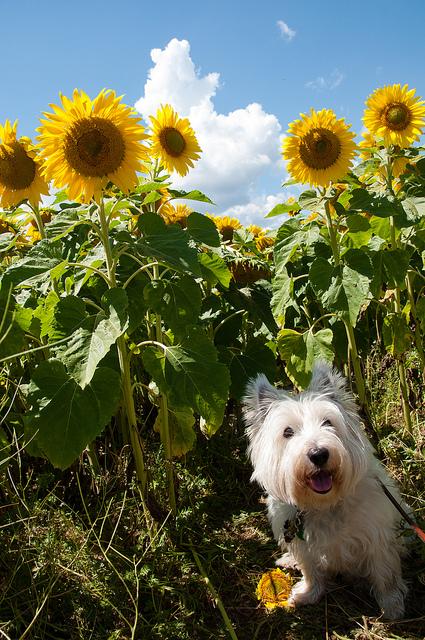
(87, 143)
(319, 148)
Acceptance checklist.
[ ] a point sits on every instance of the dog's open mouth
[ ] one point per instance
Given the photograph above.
(320, 482)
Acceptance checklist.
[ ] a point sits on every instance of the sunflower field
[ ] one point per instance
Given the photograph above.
(130, 324)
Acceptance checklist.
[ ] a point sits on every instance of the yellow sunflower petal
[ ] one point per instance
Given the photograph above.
(394, 114)
(20, 169)
(274, 588)
(319, 148)
(173, 141)
(87, 143)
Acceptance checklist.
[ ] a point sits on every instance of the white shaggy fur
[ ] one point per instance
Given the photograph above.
(310, 455)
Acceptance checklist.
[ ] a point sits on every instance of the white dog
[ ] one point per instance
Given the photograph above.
(326, 506)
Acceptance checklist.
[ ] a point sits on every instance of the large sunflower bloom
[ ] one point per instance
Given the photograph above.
(20, 175)
(88, 143)
(319, 148)
(395, 115)
(173, 141)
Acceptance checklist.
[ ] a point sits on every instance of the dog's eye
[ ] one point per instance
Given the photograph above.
(288, 433)
(326, 423)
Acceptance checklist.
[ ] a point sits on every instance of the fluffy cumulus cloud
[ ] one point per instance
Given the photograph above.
(238, 147)
(254, 211)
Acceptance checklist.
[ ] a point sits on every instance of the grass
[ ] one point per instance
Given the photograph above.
(81, 559)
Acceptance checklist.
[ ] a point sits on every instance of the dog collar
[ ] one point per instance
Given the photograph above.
(294, 527)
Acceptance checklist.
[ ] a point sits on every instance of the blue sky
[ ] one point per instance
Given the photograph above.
(284, 56)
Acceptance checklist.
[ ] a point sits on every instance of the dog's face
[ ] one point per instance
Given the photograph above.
(308, 449)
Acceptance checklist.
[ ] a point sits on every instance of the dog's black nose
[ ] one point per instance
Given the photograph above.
(318, 456)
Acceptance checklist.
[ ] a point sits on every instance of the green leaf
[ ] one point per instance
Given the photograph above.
(359, 230)
(283, 295)
(68, 315)
(190, 195)
(64, 222)
(285, 207)
(309, 200)
(167, 243)
(36, 266)
(301, 350)
(290, 239)
(341, 289)
(178, 301)
(256, 358)
(12, 337)
(86, 347)
(214, 269)
(396, 334)
(64, 418)
(377, 205)
(180, 423)
(396, 262)
(152, 196)
(203, 229)
(414, 208)
(191, 376)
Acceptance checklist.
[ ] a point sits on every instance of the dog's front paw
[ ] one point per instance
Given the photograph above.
(287, 561)
(306, 593)
(392, 604)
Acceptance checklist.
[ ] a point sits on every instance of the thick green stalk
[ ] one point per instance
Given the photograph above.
(124, 361)
(164, 422)
(352, 346)
(418, 337)
(400, 358)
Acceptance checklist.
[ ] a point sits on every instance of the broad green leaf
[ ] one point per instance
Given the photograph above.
(191, 376)
(414, 208)
(203, 229)
(146, 187)
(283, 295)
(290, 239)
(359, 230)
(190, 195)
(64, 418)
(64, 222)
(285, 207)
(178, 301)
(256, 358)
(377, 205)
(301, 350)
(309, 200)
(214, 269)
(152, 196)
(167, 243)
(87, 347)
(341, 289)
(68, 315)
(396, 334)
(396, 262)
(36, 266)
(182, 434)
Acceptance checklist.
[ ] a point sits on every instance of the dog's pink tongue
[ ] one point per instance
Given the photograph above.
(321, 482)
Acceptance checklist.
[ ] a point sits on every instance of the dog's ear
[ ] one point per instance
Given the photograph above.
(326, 380)
(259, 396)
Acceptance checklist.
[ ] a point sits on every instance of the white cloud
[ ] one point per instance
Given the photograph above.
(332, 81)
(238, 147)
(286, 31)
(254, 212)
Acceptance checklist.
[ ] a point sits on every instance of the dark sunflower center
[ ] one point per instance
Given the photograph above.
(396, 116)
(172, 141)
(17, 169)
(94, 147)
(320, 148)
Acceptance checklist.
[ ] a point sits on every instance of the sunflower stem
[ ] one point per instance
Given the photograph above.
(39, 221)
(164, 423)
(124, 361)
(352, 345)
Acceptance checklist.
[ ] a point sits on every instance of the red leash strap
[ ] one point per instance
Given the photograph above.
(410, 522)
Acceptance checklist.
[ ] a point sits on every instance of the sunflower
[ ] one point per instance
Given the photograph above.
(176, 214)
(274, 588)
(226, 225)
(88, 143)
(319, 149)
(173, 141)
(20, 173)
(394, 114)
